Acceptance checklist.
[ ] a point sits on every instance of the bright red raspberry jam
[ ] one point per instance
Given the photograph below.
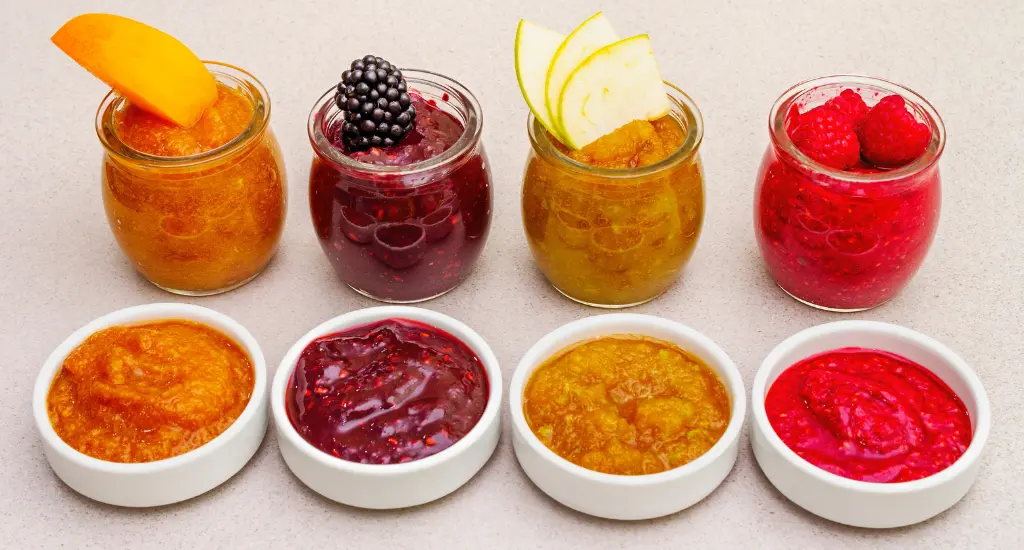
(404, 235)
(868, 415)
(844, 239)
(385, 393)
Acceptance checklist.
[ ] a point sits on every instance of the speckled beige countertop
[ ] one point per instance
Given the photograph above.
(60, 268)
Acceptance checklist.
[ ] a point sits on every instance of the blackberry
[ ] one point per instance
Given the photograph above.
(375, 98)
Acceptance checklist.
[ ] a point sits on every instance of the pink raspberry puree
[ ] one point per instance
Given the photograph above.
(868, 415)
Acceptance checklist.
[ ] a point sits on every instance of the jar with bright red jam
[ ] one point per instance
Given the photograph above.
(405, 223)
(389, 392)
(845, 240)
(868, 415)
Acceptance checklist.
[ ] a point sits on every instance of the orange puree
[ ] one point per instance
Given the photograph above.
(229, 116)
(150, 391)
(627, 405)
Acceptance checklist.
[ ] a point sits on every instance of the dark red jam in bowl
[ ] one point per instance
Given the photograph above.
(396, 223)
(385, 393)
(868, 415)
(844, 240)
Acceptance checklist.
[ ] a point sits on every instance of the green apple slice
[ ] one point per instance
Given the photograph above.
(616, 85)
(592, 35)
(535, 48)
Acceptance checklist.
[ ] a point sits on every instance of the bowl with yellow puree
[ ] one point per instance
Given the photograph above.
(626, 416)
(152, 404)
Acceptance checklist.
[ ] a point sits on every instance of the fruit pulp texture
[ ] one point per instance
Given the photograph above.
(843, 245)
(150, 391)
(404, 238)
(204, 228)
(615, 241)
(626, 405)
(389, 392)
(868, 415)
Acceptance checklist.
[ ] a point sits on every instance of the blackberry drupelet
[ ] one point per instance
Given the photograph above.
(375, 98)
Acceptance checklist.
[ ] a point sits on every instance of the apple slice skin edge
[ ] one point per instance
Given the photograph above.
(538, 114)
(551, 100)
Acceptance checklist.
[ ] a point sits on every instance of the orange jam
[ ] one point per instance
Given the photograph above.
(627, 405)
(222, 122)
(606, 232)
(204, 214)
(139, 393)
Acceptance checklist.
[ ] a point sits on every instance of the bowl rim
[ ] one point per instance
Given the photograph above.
(960, 467)
(136, 314)
(542, 350)
(364, 316)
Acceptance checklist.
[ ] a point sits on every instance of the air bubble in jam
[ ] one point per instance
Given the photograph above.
(385, 393)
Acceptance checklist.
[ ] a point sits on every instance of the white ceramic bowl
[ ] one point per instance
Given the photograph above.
(163, 481)
(619, 496)
(861, 503)
(387, 486)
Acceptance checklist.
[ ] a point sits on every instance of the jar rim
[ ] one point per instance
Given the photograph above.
(473, 125)
(782, 142)
(222, 72)
(683, 105)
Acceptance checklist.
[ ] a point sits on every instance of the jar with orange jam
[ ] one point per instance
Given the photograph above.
(197, 210)
(613, 224)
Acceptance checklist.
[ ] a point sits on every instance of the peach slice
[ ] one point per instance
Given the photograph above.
(152, 69)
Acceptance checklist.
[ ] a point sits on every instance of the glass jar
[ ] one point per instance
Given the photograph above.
(845, 240)
(199, 224)
(615, 238)
(403, 234)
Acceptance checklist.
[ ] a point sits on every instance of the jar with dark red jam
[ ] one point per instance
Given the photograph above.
(404, 223)
(845, 239)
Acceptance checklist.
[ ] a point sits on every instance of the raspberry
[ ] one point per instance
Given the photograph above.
(851, 104)
(828, 136)
(890, 136)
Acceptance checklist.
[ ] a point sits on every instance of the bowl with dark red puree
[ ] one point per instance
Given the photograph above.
(869, 424)
(400, 187)
(387, 407)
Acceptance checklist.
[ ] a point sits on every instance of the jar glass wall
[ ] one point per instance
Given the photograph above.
(403, 233)
(845, 240)
(202, 223)
(615, 237)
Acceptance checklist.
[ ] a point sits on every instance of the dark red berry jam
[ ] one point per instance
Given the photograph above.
(410, 235)
(387, 392)
(843, 239)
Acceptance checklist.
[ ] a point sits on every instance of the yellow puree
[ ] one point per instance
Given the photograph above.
(626, 405)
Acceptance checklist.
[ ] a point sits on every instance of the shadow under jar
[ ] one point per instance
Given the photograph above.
(407, 223)
(606, 234)
(845, 240)
(191, 219)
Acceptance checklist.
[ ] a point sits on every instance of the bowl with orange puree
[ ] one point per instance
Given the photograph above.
(152, 404)
(626, 416)
(387, 407)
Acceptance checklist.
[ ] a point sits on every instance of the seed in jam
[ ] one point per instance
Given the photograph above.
(388, 392)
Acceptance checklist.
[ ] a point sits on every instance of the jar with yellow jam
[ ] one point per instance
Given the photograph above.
(613, 224)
